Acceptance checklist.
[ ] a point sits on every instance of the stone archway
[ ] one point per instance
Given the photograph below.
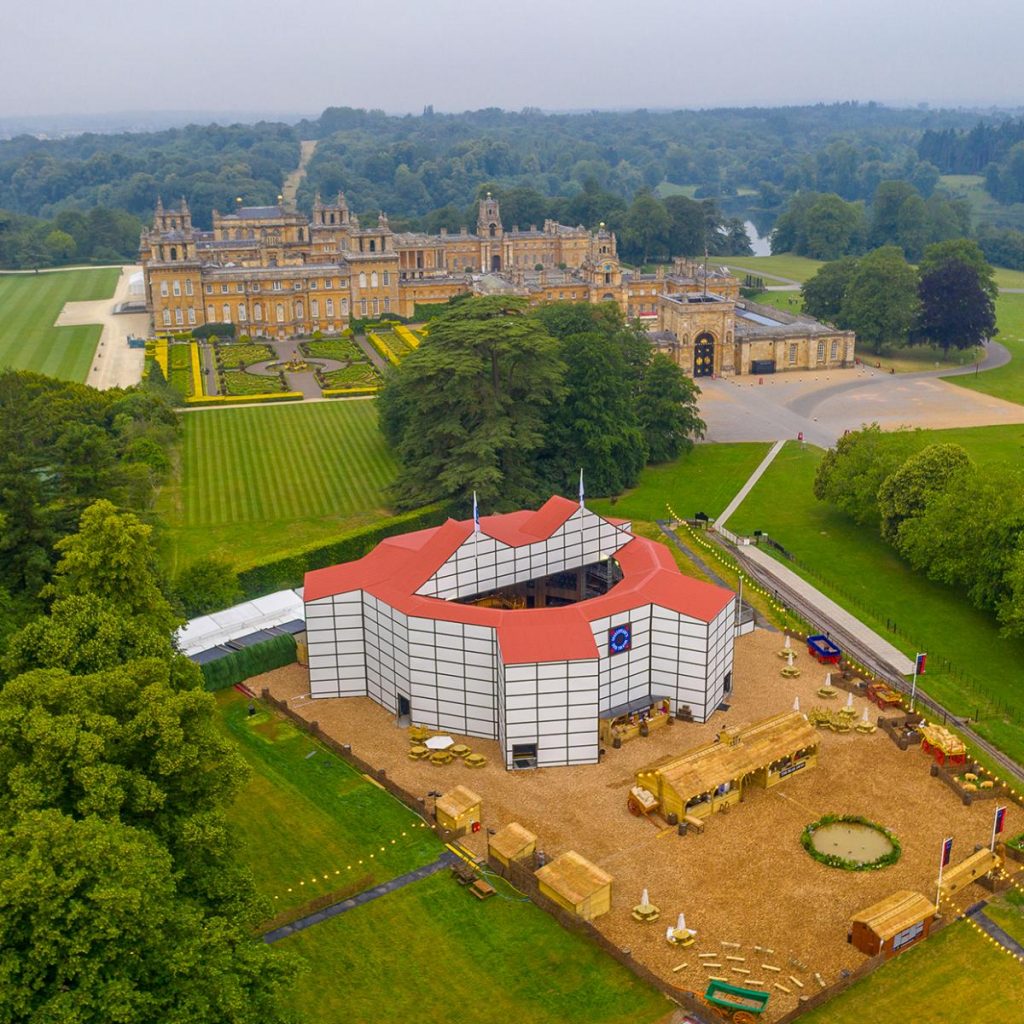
(496, 263)
(703, 355)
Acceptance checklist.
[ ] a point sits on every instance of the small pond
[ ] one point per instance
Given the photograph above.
(852, 841)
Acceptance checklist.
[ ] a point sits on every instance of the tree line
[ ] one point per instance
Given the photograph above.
(947, 301)
(954, 522)
(509, 404)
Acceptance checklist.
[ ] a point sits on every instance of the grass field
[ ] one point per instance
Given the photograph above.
(984, 209)
(856, 568)
(432, 952)
(309, 823)
(955, 977)
(786, 264)
(32, 302)
(1006, 381)
(1008, 912)
(704, 480)
(261, 480)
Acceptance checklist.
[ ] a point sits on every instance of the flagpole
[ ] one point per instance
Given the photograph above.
(996, 822)
(942, 864)
(913, 685)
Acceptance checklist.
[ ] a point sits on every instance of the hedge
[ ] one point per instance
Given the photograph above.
(238, 666)
(349, 392)
(279, 396)
(289, 572)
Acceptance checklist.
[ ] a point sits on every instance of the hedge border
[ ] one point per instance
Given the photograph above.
(236, 667)
(289, 572)
(349, 392)
(280, 396)
(832, 861)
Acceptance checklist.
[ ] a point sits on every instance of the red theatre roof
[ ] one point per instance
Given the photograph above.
(397, 567)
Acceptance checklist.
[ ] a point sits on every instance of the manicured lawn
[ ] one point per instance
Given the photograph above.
(309, 824)
(258, 481)
(1008, 912)
(786, 264)
(854, 567)
(1007, 381)
(704, 480)
(952, 978)
(788, 302)
(431, 952)
(32, 302)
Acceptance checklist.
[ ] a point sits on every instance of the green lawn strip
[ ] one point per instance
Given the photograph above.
(951, 978)
(1007, 911)
(786, 264)
(1007, 381)
(179, 368)
(432, 952)
(259, 482)
(854, 567)
(32, 302)
(308, 822)
(704, 480)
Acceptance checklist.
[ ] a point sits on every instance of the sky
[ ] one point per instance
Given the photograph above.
(63, 57)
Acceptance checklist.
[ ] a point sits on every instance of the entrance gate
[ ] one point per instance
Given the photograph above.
(703, 355)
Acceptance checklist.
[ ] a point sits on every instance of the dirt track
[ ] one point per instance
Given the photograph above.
(746, 879)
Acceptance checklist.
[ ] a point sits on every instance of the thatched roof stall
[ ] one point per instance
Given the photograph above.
(576, 885)
(458, 809)
(893, 924)
(711, 776)
(512, 843)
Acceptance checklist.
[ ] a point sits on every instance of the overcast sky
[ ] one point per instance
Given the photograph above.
(98, 56)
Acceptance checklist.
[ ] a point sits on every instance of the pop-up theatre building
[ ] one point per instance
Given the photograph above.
(528, 631)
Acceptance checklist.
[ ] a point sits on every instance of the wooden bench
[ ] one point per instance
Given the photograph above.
(464, 873)
(697, 824)
(481, 890)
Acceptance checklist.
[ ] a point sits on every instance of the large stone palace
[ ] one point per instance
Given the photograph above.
(275, 273)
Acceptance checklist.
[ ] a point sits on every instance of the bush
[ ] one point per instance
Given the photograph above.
(214, 331)
(248, 662)
(289, 572)
(208, 584)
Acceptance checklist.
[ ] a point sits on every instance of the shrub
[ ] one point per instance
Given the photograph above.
(248, 662)
(214, 331)
(207, 585)
(289, 572)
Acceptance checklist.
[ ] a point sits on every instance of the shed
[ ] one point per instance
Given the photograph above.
(710, 777)
(892, 925)
(512, 843)
(576, 885)
(458, 809)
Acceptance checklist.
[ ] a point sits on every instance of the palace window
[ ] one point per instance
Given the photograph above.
(257, 312)
(821, 351)
(327, 282)
(225, 313)
(240, 287)
(276, 286)
(792, 354)
(835, 349)
(255, 286)
(387, 278)
(177, 316)
(314, 308)
(330, 307)
(296, 285)
(188, 285)
(163, 289)
(224, 289)
(313, 286)
(387, 305)
(362, 280)
(376, 308)
(209, 289)
(362, 306)
(191, 315)
(241, 312)
(167, 317)
(373, 279)
(210, 314)
(175, 287)
(300, 311)
(344, 308)
(280, 313)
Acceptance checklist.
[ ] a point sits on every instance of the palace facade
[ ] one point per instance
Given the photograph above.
(274, 273)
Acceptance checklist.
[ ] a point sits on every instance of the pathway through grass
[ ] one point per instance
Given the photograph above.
(854, 567)
(32, 302)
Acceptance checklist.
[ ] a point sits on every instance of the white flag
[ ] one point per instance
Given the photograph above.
(476, 515)
(581, 487)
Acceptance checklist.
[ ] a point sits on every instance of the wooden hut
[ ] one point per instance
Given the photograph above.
(711, 777)
(456, 811)
(893, 925)
(576, 885)
(512, 843)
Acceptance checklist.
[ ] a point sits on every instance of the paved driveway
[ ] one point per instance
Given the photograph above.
(824, 405)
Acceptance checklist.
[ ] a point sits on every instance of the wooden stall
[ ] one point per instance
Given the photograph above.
(512, 843)
(711, 777)
(974, 868)
(576, 885)
(629, 721)
(457, 810)
(893, 924)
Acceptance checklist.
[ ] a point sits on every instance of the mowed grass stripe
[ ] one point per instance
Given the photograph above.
(263, 464)
(30, 303)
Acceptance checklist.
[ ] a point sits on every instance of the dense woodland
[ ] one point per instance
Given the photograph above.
(427, 171)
